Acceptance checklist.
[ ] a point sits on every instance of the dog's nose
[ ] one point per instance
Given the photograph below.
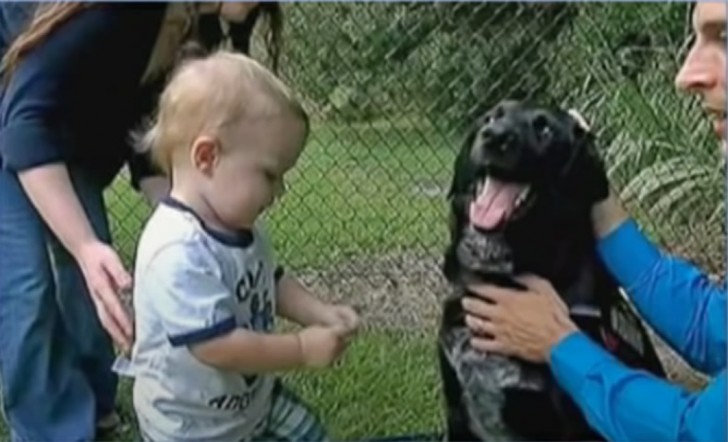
(539, 121)
(496, 137)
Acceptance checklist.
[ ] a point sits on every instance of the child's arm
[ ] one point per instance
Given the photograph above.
(184, 284)
(297, 304)
(249, 352)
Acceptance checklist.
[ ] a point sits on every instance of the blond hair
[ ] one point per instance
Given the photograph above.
(205, 94)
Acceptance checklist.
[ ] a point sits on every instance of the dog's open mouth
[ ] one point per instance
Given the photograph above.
(497, 202)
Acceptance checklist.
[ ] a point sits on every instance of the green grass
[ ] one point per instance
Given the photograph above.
(386, 385)
(355, 191)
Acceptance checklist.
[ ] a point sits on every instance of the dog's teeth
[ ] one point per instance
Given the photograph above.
(479, 187)
(522, 196)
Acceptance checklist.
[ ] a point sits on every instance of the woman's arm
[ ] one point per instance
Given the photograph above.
(34, 137)
(674, 297)
(60, 208)
(104, 272)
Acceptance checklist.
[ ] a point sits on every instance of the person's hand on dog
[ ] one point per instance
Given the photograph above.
(342, 316)
(321, 346)
(525, 324)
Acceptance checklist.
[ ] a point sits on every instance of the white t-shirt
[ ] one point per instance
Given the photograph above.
(193, 284)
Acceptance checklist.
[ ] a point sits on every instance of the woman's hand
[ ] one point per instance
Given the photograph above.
(106, 279)
(525, 324)
(49, 188)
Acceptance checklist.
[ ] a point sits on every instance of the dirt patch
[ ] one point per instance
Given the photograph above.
(392, 291)
(404, 290)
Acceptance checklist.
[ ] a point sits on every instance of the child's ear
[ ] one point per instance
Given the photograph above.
(205, 154)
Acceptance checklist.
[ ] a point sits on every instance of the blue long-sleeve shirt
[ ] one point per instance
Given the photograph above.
(687, 310)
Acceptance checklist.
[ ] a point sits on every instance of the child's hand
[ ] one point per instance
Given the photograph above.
(342, 316)
(321, 346)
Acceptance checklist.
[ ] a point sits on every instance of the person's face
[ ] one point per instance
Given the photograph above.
(234, 12)
(247, 176)
(703, 72)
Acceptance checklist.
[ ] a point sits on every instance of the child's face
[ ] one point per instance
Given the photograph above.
(248, 175)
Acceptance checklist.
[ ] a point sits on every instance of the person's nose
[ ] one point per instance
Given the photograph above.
(282, 188)
(695, 75)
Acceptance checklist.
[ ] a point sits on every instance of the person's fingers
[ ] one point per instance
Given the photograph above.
(542, 287)
(118, 273)
(110, 326)
(492, 293)
(340, 330)
(480, 326)
(118, 319)
(489, 346)
(348, 318)
(353, 320)
(122, 283)
(477, 307)
(534, 283)
(345, 315)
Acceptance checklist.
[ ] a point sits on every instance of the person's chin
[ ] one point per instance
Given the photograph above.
(719, 127)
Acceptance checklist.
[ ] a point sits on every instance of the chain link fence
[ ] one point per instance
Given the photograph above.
(391, 88)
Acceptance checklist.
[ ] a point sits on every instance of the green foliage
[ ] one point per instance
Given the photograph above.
(443, 63)
(387, 384)
(357, 190)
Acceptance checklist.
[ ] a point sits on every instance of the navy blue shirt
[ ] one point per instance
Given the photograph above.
(76, 96)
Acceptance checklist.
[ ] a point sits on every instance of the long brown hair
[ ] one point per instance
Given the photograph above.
(49, 16)
(241, 33)
(273, 35)
(46, 18)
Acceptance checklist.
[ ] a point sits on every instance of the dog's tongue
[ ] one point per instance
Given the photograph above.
(494, 204)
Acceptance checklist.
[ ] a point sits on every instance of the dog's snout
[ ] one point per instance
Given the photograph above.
(497, 137)
(539, 121)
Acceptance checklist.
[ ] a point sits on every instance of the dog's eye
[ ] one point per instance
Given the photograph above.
(539, 123)
(541, 126)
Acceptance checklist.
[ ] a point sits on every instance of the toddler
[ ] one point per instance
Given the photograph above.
(206, 289)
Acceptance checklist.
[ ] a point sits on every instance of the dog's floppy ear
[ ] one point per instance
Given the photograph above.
(582, 130)
(462, 170)
(463, 174)
(587, 172)
(579, 119)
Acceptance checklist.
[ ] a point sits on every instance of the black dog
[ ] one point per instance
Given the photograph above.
(523, 187)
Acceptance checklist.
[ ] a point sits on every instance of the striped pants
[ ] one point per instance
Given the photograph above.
(290, 419)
